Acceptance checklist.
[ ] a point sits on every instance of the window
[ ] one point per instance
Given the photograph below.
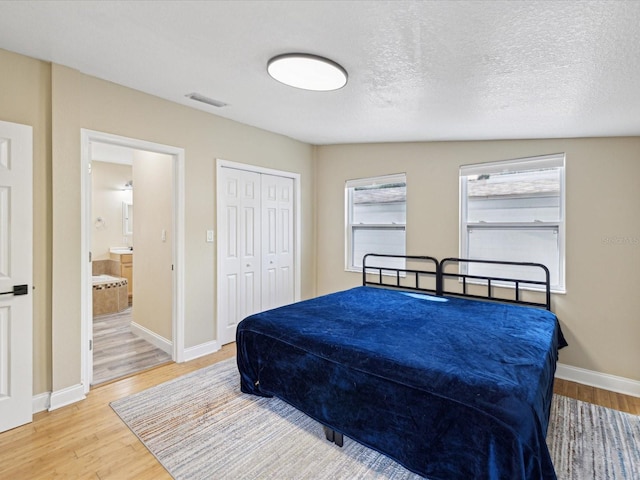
(376, 214)
(514, 211)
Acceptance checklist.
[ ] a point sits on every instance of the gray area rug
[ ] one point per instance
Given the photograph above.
(201, 426)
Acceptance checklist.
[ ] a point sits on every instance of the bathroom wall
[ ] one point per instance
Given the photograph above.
(153, 233)
(107, 182)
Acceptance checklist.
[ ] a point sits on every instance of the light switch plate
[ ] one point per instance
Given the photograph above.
(209, 236)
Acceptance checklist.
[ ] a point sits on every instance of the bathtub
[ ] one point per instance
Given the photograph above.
(100, 279)
(109, 294)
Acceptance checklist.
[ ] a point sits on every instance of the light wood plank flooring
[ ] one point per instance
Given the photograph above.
(87, 440)
(605, 398)
(117, 352)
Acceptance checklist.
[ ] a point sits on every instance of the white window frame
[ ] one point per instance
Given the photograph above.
(529, 163)
(349, 226)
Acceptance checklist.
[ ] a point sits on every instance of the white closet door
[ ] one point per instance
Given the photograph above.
(239, 237)
(277, 241)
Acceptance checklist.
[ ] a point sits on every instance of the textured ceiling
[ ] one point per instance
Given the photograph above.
(418, 70)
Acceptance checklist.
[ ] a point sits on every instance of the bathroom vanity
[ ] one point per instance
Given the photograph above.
(124, 257)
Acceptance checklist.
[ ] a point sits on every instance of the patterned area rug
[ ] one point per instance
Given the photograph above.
(201, 426)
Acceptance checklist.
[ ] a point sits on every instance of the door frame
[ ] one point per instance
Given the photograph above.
(178, 313)
(221, 163)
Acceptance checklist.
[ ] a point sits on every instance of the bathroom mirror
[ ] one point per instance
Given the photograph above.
(127, 218)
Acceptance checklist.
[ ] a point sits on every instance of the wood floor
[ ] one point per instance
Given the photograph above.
(117, 352)
(87, 440)
(605, 398)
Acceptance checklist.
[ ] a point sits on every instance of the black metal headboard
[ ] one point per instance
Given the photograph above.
(465, 284)
(480, 281)
(405, 278)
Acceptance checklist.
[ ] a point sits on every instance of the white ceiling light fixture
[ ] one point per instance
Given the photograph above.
(306, 71)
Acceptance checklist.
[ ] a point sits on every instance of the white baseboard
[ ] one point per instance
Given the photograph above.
(201, 350)
(153, 338)
(605, 381)
(40, 402)
(66, 396)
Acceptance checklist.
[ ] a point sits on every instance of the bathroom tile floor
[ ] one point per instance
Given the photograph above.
(117, 352)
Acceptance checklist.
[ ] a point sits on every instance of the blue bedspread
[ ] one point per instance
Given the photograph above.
(450, 388)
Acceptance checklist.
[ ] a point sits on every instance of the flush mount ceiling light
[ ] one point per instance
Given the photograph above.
(309, 72)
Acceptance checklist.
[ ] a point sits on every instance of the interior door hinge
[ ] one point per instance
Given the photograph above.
(90, 345)
(89, 256)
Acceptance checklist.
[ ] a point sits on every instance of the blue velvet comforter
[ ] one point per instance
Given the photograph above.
(450, 388)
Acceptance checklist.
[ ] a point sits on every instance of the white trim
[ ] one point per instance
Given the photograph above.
(178, 154)
(382, 179)
(152, 337)
(86, 289)
(179, 246)
(349, 226)
(556, 160)
(517, 164)
(220, 163)
(605, 381)
(40, 402)
(191, 353)
(67, 396)
(254, 168)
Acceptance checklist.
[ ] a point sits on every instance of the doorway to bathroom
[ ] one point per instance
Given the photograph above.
(131, 224)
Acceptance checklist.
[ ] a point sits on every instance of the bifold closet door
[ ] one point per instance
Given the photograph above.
(277, 241)
(239, 234)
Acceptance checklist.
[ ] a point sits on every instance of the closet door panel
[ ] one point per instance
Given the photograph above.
(277, 241)
(250, 245)
(256, 232)
(240, 248)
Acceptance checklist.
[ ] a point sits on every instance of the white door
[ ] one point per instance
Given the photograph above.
(277, 241)
(16, 261)
(239, 247)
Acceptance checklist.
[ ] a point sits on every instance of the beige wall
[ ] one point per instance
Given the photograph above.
(599, 312)
(25, 97)
(80, 101)
(153, 256)
(107, 180)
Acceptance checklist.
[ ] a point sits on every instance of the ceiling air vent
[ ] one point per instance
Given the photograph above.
(209, 101)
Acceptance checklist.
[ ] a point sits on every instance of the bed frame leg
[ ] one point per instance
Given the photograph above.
(328, 433)
(333, 436)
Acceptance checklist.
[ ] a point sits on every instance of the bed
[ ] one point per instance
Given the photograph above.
(415, 366)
